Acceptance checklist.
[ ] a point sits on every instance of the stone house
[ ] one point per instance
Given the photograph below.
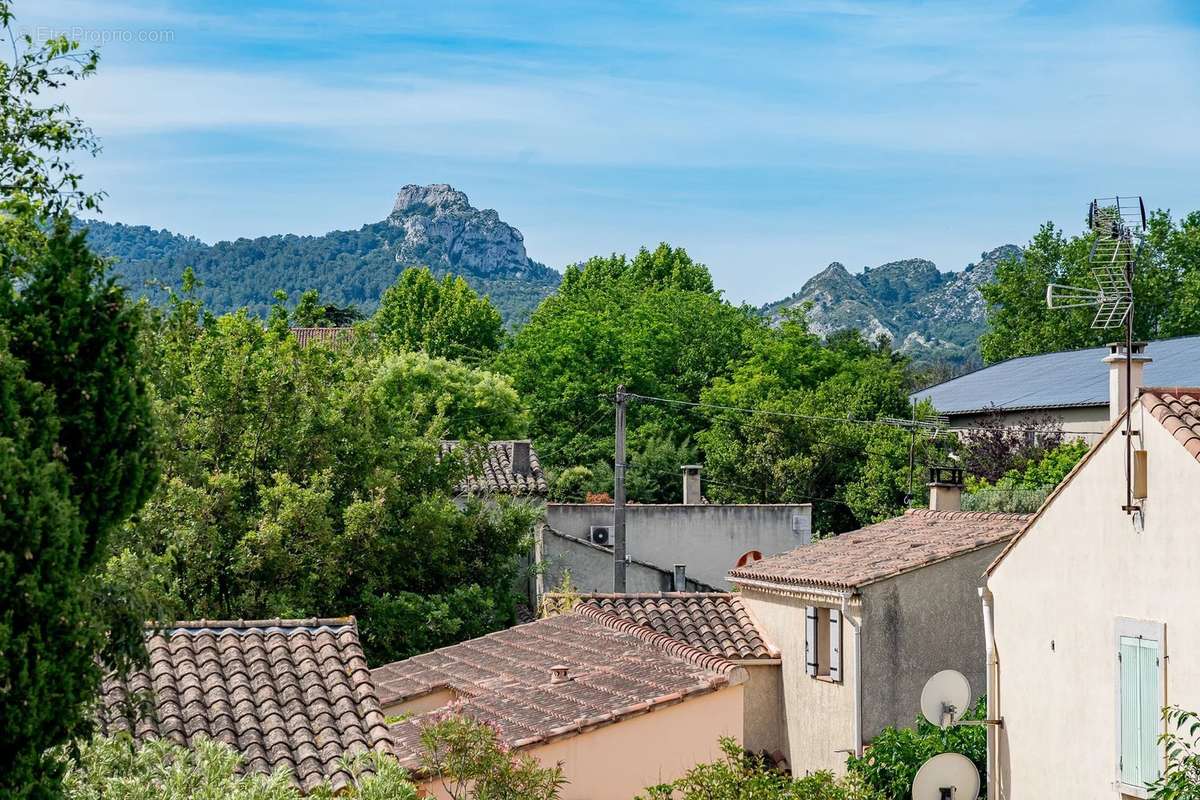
(862, 619)
(620, 705)
(717, 623)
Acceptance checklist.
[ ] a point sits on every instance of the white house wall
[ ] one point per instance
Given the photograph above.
(1058, 594)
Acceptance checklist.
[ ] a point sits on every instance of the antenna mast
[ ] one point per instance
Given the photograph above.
(1119, 227)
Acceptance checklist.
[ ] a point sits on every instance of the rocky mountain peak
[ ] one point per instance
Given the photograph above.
(911, 301)
(435, 197)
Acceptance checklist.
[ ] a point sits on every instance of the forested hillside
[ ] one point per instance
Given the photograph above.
(433, 226)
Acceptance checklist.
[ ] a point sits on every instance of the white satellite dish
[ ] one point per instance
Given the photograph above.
(948, 776)
(945, 698)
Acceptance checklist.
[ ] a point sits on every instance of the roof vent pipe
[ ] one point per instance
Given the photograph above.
(558, 674)
(691, 485)
(680, 584)
(520, 457)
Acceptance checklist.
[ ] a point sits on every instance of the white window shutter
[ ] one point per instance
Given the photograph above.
(835, 645)
(810, 640)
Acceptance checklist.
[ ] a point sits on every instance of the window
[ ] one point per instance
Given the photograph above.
(1139, 703)
(823, 642)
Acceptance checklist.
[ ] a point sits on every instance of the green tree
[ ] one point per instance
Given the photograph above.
(76, 430)
(77, 451)
(798, 449)
(441, 318)
(1180, 779)
(471, 762)
(1166, 291)
(895, 755)
(652, 323)
(308, 480)
(37, 139)
(447, 398)
(741, 776)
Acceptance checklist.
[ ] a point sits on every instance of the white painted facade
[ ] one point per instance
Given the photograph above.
(1083, 575)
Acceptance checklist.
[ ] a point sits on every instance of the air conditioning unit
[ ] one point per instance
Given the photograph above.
(601, 534)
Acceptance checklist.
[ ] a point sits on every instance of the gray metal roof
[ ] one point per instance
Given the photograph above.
(1069, 379)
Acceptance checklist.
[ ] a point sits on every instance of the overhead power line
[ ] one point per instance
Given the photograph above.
(821, 418)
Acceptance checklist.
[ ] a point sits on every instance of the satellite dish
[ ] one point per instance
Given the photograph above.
(948, 776)
(945, 698)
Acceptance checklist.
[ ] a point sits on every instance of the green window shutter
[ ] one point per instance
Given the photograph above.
(1139, 723)
(1148, 697)
(1130, 752)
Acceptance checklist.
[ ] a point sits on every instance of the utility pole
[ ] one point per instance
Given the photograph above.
(622, 401)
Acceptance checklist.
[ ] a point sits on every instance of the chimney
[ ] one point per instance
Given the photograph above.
(558, 674)
(520, 457)
(680, 578)
(691, 485)
(1117, 399)
(945, 488)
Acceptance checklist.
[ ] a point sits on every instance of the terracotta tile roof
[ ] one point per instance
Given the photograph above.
(715, 622)
(283, 693)
(615, 669)
(492, 471)
(915, 539)
(1178, 410)
(307, 336)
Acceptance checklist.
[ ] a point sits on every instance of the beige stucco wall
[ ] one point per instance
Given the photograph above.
(1084, 422)
(618, 761)
(1058, 595)
(915, 625)
(819, 713)
(765, 724)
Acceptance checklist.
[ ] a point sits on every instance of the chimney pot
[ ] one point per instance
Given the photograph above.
(691, 485)
(558, 674)
(520, 457)
(945, 488)
(1117, 400)
(680, 584)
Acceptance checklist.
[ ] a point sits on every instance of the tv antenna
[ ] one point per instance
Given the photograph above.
(1119, 228)
(929, 424)
(948, 776)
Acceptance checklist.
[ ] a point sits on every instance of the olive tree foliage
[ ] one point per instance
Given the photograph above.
(1180, 779)
(1166, 290)
(307, 481)
(741, 776)
(439, 317)
(470, 761)
(77, 435)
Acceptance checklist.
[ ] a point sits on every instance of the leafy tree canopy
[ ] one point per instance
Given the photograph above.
(306, 481)
(652, 323)
(441, 318)
(1166, 291)
(797, 450)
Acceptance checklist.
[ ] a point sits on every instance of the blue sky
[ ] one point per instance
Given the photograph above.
(768, 138)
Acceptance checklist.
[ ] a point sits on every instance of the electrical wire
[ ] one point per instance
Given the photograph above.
(817, 417)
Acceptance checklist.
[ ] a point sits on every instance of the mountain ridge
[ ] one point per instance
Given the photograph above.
(433, 226)
(930, 314)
